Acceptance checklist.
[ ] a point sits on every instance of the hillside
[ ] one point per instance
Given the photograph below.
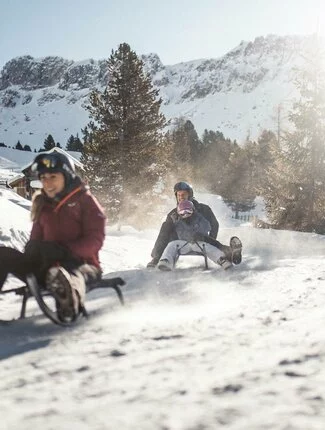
(238, 94)
(242, 349)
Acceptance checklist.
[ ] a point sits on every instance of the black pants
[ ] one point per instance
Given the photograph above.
(14, 262)
(38, 257)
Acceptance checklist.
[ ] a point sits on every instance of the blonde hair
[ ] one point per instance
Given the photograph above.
(38, 201)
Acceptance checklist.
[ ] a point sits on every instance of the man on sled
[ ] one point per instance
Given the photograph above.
(192, 228)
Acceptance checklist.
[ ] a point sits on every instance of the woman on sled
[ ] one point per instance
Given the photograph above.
(67, 233)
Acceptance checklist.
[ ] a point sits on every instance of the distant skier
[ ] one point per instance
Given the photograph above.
(67, 234)
(168, 233)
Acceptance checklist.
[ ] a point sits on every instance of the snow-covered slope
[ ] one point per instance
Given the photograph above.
(14, 219)
(238, 94)
(237, 350)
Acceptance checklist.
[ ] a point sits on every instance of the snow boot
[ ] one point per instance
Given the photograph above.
(90, 273)
(164, 265)
(236, 249)
(59, 282)
(224, 263)
(153, 263)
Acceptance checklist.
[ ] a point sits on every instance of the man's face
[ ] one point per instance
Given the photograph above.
(182, 195)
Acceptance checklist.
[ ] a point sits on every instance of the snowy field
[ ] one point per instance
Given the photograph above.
(192, 349)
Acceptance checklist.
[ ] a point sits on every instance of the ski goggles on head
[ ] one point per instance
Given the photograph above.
(185, 213)
(44, 162)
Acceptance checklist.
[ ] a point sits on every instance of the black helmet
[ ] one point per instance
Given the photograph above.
(184, 186)
(54, 162)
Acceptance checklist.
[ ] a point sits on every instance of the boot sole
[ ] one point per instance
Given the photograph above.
(164, 268)
(236, 247)
(63, 296)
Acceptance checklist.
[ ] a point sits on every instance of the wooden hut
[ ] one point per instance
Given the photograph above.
(19, 185)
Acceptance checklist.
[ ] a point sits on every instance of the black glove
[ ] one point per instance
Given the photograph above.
(41, 255)
(46, 252)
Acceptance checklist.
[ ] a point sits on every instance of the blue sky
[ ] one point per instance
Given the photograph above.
(177, 30)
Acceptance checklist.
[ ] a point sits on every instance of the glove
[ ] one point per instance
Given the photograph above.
(46, 252)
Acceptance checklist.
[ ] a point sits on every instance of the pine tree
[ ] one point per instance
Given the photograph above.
(74, 144)
(78, 144)
(295, 195)
(182, 150)
(49, 143)
(262, 158)
(213, 159)
(193, 141)
(237, 188)
(123, 141)
(27, 148)
(19, 146)
(70, 143)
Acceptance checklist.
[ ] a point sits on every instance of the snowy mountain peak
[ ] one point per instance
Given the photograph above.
(31, 73)
(152, 63)
(236, 93)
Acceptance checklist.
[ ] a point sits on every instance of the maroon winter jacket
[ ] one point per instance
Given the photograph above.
(76, 222)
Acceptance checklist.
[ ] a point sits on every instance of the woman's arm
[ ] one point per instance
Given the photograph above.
(93, 229)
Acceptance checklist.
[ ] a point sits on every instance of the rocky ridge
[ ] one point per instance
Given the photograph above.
(46, 95)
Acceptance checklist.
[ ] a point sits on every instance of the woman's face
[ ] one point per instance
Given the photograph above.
(53, 183)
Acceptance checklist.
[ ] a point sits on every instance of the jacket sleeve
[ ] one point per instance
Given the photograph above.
(93, 228)
(166, 234)
(36, 233)
(209, 215)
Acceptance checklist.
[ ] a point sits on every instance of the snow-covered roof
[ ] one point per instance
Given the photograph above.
(16, 178)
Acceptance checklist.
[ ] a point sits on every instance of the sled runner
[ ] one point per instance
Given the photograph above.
(43, 297)
(232, 253)
(201, 253)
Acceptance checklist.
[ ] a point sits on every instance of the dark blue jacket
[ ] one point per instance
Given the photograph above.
(188, 228)
(168, 233)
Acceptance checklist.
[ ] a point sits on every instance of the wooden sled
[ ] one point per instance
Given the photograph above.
(32, 289)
